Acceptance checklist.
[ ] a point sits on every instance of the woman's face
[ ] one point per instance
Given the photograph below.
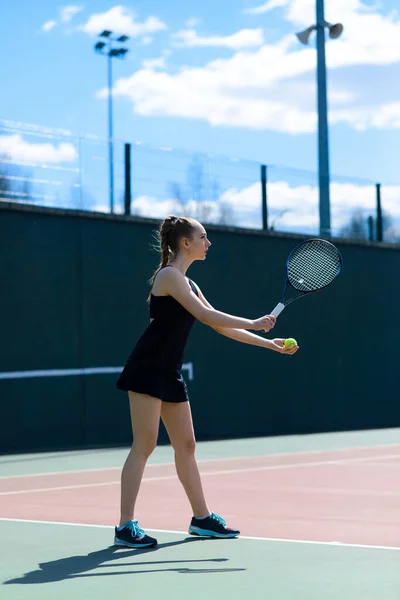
(199, 244)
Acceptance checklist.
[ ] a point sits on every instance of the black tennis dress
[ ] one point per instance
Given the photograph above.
(154, 366)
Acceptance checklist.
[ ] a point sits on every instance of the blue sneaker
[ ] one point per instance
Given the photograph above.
(132, 536)
(212, 526)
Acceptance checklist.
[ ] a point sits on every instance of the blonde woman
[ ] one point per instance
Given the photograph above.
(153, 379)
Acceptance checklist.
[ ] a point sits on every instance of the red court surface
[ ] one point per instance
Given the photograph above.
(347, 496)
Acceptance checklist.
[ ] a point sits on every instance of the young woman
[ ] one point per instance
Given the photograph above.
(152, 377)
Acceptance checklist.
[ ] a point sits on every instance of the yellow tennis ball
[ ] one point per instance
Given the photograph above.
(290, 343)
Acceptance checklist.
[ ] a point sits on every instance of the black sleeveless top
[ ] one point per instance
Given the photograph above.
(154, 365)
(164, 341)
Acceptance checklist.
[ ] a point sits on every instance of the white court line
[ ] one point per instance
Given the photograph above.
(80, 371)
(72, 487)
(207, 460)
(185, 533)
(58, 372)
(381, 464)
(344, 462)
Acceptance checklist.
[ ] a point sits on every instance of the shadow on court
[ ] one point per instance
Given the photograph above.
(77, 566)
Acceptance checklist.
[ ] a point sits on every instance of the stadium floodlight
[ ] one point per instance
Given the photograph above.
(107, 49)
(335, 31)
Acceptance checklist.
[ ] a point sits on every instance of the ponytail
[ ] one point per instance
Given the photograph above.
(171, 231)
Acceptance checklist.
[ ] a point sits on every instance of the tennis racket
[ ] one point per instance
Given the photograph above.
(310, 267)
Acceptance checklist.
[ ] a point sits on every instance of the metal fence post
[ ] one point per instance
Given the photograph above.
(264, 197)
(128, 188)
(370, 222)
(379, 224)
(80, 172)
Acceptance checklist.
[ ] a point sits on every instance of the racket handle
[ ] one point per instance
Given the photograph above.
(278, 309)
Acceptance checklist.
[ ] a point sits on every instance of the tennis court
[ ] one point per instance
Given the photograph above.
(319, 517)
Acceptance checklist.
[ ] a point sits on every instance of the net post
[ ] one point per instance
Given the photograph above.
(128, 190)
(264, 197)
(379, 225)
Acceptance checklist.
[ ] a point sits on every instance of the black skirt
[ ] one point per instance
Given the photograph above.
(154, 365)
(168, 386)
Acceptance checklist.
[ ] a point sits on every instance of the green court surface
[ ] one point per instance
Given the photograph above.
(60, 561)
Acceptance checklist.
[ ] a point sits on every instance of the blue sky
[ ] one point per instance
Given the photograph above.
(226, 77)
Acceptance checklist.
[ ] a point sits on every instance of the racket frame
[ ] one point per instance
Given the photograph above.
(285, 302)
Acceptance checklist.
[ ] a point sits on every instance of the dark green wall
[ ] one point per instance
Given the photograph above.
(74, 295)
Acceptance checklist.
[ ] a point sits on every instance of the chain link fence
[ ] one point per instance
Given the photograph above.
(57, 169)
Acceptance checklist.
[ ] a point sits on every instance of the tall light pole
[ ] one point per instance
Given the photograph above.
(106, 49)
(323, 137)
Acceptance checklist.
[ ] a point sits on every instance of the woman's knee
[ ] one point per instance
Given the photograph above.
(186, 446)
(144, 446)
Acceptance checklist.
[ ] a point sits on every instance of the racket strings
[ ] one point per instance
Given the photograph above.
(313, 265)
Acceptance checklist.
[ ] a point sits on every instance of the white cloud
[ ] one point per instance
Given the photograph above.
(121, 20)
(16, 148)
(245, 38)
(369, 37)
(263, 8)
(154, 63)
(217, 94)
(208, 211)
(385, 116)
(291, 207)
(367, 40)
(273, 87)
(198, 95)
(151, 207)
(147, 40)
(68, 12)
(339, 96)
(193, 22)
(303, 12)
(48, 26)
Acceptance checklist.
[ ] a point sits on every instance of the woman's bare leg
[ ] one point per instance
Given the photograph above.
(177, 418)
(145, 417)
